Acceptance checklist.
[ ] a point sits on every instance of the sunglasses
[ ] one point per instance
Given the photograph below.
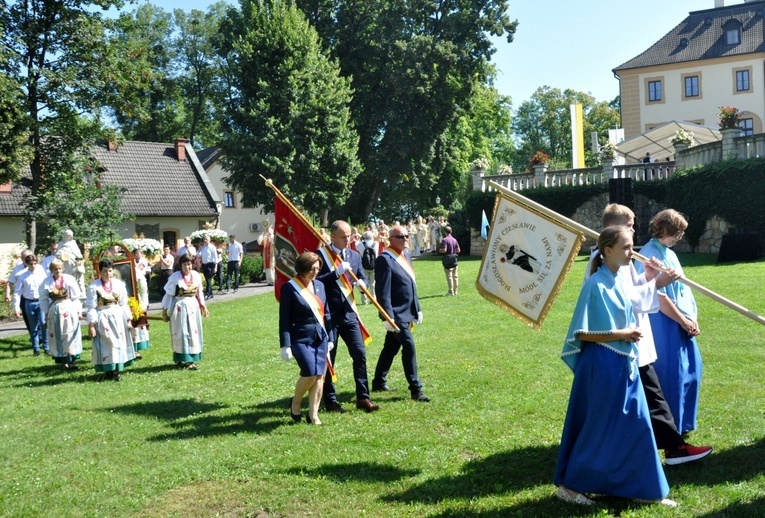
(401, 236)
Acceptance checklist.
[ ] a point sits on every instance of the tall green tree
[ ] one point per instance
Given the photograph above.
(412, 65)
(56, 52)
(288, 117)
(544, 123)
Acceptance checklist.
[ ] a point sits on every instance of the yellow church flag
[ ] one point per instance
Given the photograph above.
(526, 259)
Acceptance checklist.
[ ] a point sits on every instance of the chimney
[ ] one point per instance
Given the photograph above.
(111, 146)
(180, 149)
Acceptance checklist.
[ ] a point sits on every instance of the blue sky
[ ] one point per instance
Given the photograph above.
(568, 43)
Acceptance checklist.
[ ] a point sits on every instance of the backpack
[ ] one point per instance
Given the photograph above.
(368, 258)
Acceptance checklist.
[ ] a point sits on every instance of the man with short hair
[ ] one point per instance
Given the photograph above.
(235, 254)
(345, 317)
(396, 292)
(369, 249)
(47, 260)
(450, 249)
(166, 263)
(188, 248)
(209, 258)
(11, 282)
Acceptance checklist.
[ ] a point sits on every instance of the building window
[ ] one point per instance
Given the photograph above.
(654, 91)
(228, 199)
(733, 36)
(742, 80)
(692, 86)
(747, 127)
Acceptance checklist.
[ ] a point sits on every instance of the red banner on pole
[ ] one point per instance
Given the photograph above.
(292, 238)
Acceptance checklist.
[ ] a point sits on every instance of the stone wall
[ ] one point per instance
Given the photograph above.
(590, 214)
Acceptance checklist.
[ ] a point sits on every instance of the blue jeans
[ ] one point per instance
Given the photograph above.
(37, 331)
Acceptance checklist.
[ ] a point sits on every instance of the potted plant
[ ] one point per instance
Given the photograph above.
(608, 151)
(482, 163)
(539, 158)
(729, 117)
(681, 137)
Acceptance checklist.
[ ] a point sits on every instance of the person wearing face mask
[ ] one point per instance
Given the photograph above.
(675, 328)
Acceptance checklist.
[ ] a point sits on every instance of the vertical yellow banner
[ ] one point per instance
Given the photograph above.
(577, 136)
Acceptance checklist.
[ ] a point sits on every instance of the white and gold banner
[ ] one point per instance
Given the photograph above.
(526, 259)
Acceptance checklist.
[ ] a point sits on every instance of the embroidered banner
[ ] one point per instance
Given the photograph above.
(292, 238)
(525, 261)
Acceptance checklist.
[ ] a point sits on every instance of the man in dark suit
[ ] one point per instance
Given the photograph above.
(396, 291)
(345, 319)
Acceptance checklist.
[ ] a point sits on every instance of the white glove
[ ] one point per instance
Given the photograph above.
(389, 327)
(419, 317)
(361, 284)
(286, 354)
(331, 346)
(344, 267)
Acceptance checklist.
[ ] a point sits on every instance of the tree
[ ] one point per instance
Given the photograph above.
(288, 117)
(412, 66)
(543, 123)
(56, 52)
(15, 152)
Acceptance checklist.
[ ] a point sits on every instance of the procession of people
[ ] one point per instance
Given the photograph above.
(631, 343)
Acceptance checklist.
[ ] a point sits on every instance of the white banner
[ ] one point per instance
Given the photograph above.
(525, 261)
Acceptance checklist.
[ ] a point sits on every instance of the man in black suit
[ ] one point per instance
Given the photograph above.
(345, 319)
(396, 291)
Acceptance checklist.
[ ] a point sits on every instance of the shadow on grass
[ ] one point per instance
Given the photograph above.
(546, 507)
(15, 346)
(191, 419)
(501, 473)
(742, 509)
(366, 471)
(738, 464)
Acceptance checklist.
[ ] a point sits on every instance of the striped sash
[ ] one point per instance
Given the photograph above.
(346, 288)
(313, 301)
(402, 261)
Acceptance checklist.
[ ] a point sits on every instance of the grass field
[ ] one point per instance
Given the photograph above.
(219, 441)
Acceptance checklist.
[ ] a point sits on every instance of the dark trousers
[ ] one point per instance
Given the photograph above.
(219, 276)
(393, 342)
(663, 424)
(233, 269)
(208, 270)
(350, 332)
(164, 276)
(23, 308)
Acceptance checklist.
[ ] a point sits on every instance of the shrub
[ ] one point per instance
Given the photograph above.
(252, 269)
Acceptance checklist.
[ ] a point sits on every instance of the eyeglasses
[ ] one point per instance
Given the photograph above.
(401, 236)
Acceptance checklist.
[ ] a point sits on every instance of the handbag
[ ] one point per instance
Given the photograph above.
(449, 260)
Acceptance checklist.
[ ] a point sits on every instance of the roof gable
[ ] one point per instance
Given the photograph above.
(155, 182)
(702, 36)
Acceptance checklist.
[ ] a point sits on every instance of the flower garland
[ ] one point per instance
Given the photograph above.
(216, 235)
(151, 248)
(136, 311)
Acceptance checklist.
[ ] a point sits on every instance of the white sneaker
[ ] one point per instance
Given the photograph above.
(580, 499)
(666, 502)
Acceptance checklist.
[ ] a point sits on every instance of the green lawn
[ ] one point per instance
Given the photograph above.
(219, 441)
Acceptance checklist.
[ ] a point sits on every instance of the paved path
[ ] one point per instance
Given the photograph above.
(16, 327)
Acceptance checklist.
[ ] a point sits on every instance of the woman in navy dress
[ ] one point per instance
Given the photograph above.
(304, 333)
(607, 446)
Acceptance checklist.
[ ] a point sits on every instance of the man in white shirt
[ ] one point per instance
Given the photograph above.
(209, 259)
(235, 254)
(46, 262)
(165, 267)
(188, 248)
(12, 283)
(27, 290)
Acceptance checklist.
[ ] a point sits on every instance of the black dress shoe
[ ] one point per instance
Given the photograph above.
(382, 388)
(295, 417)
(420, 396)
(334, 406)
(366, 405)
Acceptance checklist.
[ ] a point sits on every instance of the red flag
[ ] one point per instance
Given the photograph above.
(292, 238)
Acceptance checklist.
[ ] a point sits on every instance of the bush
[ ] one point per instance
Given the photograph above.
(252, 269)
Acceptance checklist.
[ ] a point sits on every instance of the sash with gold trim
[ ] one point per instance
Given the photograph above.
(314, 302)
(402, 261)
(346, 288)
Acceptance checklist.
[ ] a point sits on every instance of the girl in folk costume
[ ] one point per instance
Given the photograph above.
(675, 328)
(305, 327)
(109, 323)
(140, 332)
(607, 446)
(266, 242)
(183, 306)
(60, 302)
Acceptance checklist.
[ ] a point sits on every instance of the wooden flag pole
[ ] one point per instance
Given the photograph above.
(332, 253)
(591, 233)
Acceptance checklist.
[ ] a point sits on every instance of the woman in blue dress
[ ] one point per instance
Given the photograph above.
(607, 446)
(675, 328)
(305, 333)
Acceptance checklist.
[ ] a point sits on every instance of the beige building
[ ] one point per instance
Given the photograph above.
(713, 58)
(244, 222)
